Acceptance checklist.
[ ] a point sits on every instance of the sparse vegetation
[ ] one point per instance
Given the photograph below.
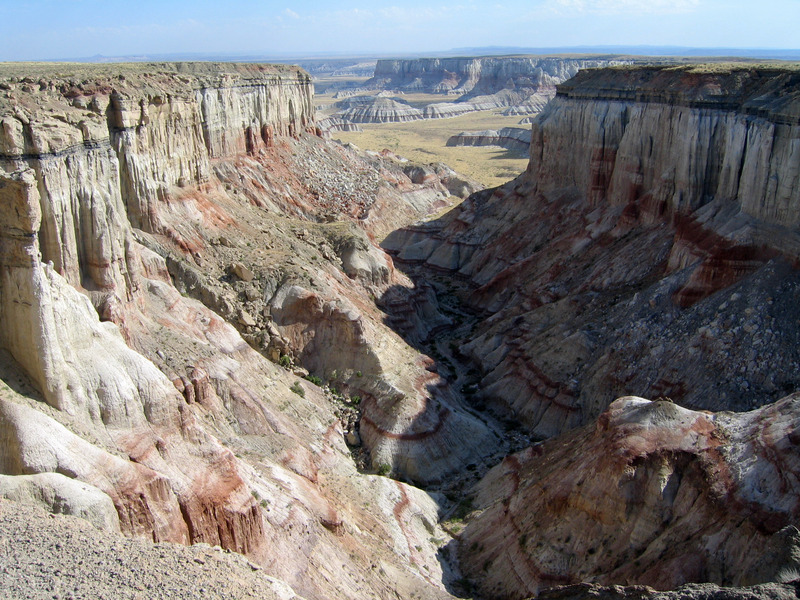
(298, 389)
(285, 361)
(314, 379)
(384, 470)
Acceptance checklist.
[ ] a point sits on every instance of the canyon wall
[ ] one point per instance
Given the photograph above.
(167, 228)
(648, 249)
(108, 149)
(521, 78)
(485, 74)
(195, 340)
(511, 138)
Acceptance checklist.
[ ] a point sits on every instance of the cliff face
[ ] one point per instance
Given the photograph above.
(130, 141)
(381, 110)
(165, 229)
(475, 77)
(487, 75)
(648, 249)
(732, 141)
(512, 138)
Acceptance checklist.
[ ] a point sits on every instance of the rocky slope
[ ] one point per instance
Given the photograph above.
(167, 229)
(652, 494)
(499, 81)
(511, 138)
(648, 249)
(66, 556)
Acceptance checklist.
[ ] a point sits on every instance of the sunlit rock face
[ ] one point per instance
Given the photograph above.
(165, 229)
(652, 494)
(382, 110)
(649, 248)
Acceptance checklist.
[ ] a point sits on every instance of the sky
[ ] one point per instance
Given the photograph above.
(63, 29)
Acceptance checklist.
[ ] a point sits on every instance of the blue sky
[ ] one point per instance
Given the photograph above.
(42, 29)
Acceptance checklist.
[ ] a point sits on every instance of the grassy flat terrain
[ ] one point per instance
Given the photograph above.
(425, 141)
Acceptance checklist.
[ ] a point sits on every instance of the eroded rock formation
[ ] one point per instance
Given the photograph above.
(167, 228)
(652, 494)
(380, 110)
(180, 248)
(649, 248)
(511, 138)
(499, 81)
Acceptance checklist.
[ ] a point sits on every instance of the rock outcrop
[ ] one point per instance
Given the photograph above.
(331, 124)
(652, 494)
(446, 110)
(705, 591)
(381, 110)
(483, 75)
(648, 249)
(511, 138)
(166, 228)
(491, 81)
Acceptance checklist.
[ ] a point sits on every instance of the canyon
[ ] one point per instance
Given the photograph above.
(520, 85)
(373, 378)
(502, 81)
(642, 253)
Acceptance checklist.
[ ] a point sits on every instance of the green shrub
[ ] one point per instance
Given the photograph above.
(298, 389)
(285, 361)
(314, 379)
(384, 470)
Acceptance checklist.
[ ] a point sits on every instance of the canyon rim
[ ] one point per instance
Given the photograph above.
(373, 379)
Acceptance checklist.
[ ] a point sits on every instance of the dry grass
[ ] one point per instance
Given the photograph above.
(425, 142)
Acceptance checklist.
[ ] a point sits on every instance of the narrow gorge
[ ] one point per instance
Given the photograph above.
(374, 379)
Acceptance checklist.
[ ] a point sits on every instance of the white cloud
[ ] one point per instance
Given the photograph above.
(290, 13)
(616, 7)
